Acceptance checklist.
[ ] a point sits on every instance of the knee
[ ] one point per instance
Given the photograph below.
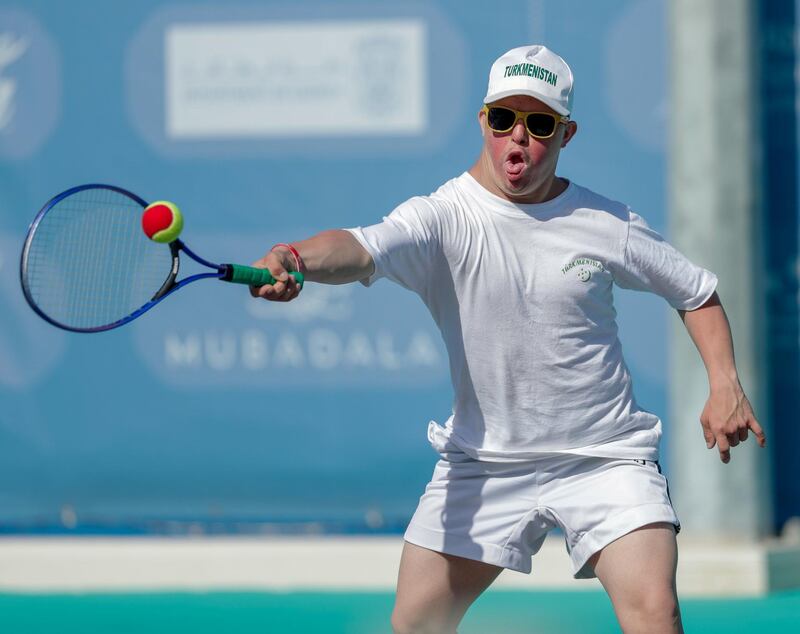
(401, 625)
(654, 610)
(405, 623)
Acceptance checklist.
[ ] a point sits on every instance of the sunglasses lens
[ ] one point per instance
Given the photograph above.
(540, 124)
(500, 119)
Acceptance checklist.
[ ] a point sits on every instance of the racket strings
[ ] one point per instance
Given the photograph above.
(89, 263)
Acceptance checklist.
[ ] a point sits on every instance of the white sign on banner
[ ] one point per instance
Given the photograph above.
(279, 79)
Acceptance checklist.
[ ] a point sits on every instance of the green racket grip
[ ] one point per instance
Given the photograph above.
(241, 274)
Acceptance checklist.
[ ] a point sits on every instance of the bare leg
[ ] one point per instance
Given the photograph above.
(434, 590)
(638, 572)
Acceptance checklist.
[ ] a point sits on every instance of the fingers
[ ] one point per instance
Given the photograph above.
(707, 434)
(285, 288)
(742, 435)
(724, 448)
(282, 291)
(758, 431)
(726, 425)
(723, 441)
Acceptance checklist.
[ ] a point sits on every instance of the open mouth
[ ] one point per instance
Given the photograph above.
(515, 164)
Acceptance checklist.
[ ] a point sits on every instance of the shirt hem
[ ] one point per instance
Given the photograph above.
(444, 440)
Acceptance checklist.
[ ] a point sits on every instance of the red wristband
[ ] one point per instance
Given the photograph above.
(298, 261)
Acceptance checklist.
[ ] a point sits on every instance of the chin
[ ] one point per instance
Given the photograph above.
(516, 189)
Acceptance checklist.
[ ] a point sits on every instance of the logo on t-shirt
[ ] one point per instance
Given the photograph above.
(583, 267)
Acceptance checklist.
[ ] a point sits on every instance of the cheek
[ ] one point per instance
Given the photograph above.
(496, 149)
(541, 151)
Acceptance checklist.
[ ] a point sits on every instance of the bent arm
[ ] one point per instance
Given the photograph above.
(709, 329)
(727, 416)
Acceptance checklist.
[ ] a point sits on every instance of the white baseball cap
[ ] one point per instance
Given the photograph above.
(535, 71)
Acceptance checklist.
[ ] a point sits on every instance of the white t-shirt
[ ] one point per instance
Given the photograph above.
(522, 295)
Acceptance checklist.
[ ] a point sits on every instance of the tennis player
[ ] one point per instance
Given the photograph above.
(516, 266)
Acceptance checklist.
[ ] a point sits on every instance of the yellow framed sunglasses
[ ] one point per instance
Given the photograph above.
(541, 125)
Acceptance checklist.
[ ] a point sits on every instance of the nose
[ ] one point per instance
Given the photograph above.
(519, 133)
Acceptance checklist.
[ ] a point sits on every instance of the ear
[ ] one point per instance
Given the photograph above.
(570, 130)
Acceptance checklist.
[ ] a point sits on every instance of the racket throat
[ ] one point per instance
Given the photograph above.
(169, 283)
(226, 272)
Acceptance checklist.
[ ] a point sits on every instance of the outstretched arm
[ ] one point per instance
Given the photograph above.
(727, 415)
(331, 257)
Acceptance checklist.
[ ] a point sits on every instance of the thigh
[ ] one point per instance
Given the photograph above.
(434, 590)
(638, 572)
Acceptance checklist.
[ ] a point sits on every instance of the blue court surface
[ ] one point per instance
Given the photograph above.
(496, 612)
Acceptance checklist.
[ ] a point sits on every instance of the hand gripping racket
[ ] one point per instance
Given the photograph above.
(87, 265)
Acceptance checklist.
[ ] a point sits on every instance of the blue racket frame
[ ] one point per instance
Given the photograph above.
(221, 271)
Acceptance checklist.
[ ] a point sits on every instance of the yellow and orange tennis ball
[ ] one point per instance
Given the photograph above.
(162, 221)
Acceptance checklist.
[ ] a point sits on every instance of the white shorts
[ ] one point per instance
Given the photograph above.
(500, 513)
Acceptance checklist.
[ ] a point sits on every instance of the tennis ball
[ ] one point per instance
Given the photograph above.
(162, 221)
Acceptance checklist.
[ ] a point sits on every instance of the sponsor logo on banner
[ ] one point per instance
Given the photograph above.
(30, 88)
(12, 47)
(338, 335)
(278, 79)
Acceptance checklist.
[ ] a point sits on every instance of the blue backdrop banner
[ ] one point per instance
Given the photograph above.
(270, 122)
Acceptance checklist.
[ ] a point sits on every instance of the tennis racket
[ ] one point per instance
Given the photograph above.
(87, 265)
